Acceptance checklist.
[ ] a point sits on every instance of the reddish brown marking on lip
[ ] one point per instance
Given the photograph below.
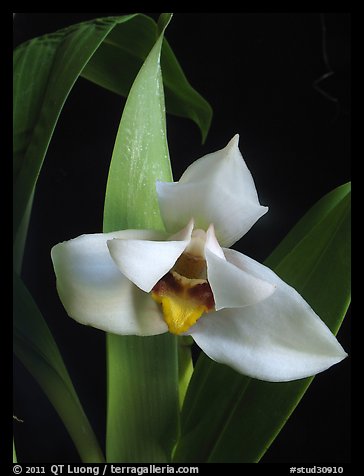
(168, 284)
(184, 293)
(202, 293)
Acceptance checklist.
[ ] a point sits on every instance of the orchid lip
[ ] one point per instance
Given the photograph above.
(183, 300)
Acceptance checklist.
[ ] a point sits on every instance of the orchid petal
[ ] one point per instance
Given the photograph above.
(145, 262)
(278, 339)
(95, 293)
(218, 189)
(212, 244)
(231, 286)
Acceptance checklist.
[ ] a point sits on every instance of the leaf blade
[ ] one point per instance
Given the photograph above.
(140, 429)
(52, 64)
(35, 347)
(181, 98)
(46, 68)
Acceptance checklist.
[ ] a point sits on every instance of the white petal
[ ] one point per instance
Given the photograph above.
(218, 189)
(146, 262)
(279, 339)
(95, 293)
(212, 244)
(231, 285)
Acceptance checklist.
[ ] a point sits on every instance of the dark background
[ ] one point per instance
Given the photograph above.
(265, 75)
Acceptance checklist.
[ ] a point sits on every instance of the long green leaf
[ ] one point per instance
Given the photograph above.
(36, 349)
(46, 68)
(244, 415)
(15, 459)
(142, 417)
(181, 98)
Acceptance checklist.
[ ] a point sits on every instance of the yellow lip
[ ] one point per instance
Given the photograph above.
(183, 300)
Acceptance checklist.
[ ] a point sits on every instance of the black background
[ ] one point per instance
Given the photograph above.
(260, 73)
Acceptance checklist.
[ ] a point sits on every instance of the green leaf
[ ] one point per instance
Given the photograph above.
(15, 459)
(140, 155)
(45, 70)
(36, 349)
(108, 51)
(181, 99)
(244, 415)
(21, 236)
(143, 406)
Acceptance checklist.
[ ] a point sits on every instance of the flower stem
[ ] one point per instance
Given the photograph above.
(185, 365)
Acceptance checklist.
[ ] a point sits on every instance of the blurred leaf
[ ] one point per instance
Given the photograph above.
(228, 417)
(108, 51)
(21, 236)
(15, 460)
(36, 349)
(142, 417)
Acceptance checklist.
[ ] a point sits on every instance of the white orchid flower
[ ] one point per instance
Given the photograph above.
(186, 281)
